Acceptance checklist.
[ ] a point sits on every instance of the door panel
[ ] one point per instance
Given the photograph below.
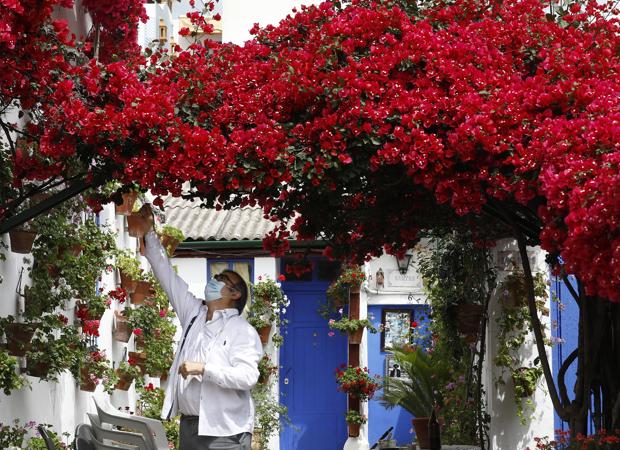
(309, 357)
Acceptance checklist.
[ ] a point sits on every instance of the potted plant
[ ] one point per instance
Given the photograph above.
(265, 369)
(93, 367)
(417, 392)
(126, 374)
(353, 327)
(22, 239)
(126, 202)
(129, 270)
(159, 349)
(349, 280)
(52, 352)
(10, 380)
(171, 237)
(121, 331)
(525, 380)
(270, 416)
(356, 382)
(137, 359)
(18, 335)
(267, 307)
(355, 420)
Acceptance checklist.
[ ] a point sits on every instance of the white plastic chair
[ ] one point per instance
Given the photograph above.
(85, 440)
(152, 430)
(116, 436)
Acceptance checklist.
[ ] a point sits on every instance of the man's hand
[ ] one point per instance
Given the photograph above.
(191, 368)
(148, 221)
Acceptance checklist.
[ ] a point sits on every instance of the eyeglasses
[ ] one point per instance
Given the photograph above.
(226, 279)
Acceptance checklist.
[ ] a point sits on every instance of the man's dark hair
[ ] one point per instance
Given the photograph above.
(242, 287)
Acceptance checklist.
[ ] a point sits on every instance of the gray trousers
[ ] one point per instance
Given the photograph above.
(190, 440)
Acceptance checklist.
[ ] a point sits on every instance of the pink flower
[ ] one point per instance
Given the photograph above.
(163, 312)
(331, 334)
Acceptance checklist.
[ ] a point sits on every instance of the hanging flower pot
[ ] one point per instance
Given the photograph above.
(37, 369)
(420, 425)
(137, 298)
(354, 429)
(144, 287)
(122, 330)
(355, 337)
(53, 270)
(22, 240)
(170, 244)
(264, 333)
(138, 359)
(129, 199)
(124, 382)
(18, 336)
(86, 382)
(468, 318)
(127, 283)
(135, 225)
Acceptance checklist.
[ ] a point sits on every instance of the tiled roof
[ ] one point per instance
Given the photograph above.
(203, 224)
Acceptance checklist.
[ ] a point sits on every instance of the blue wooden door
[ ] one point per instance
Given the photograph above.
(308, 359)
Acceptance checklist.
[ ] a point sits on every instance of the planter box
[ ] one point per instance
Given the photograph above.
(127, 283)
(170, 244)
(125, 381)
(356, 336)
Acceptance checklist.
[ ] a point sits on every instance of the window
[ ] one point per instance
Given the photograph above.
(243, 267)
(163, 32)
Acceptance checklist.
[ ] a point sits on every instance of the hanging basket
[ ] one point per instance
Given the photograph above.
(420, 425)
(22, 240)
(354, 429)
(18, 336)
(355, 337)
(264, 333)
(129, 199)
(127, 283)
(121, 331)
(170, 244)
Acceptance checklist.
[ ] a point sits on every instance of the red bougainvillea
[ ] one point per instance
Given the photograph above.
(365, 123)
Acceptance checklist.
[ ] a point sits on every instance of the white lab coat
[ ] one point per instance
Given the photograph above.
(231, 368)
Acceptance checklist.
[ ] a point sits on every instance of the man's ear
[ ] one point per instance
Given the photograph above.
(236, 295)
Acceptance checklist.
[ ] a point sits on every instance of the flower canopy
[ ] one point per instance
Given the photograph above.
(366, 123)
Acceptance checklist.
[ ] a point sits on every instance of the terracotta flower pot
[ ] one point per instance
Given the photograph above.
(144, 287)
(420, 425)
(18, 336)
(468, 318)
(37, 369)
(122, 331)
(139, 358)
(127, 283)
(137, 298)
(22, 240)
(86, 384)
(135, 226)
(354, 429)
(355, 337)
(129, 198)
(264, 333)
(125, 381)
(170, 244)
(139, 341)
(53, 270)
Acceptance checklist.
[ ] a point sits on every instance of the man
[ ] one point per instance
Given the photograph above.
(217, 358)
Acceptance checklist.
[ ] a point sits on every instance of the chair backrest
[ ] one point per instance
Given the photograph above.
(49, 443)
(118, 436)
(152, 430)
(84, 437)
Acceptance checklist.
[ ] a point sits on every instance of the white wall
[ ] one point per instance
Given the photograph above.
(506, 430)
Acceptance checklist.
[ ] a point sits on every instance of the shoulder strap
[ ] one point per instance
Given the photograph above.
(191, 322)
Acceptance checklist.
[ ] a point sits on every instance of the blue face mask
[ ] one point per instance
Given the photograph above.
(213, 290)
